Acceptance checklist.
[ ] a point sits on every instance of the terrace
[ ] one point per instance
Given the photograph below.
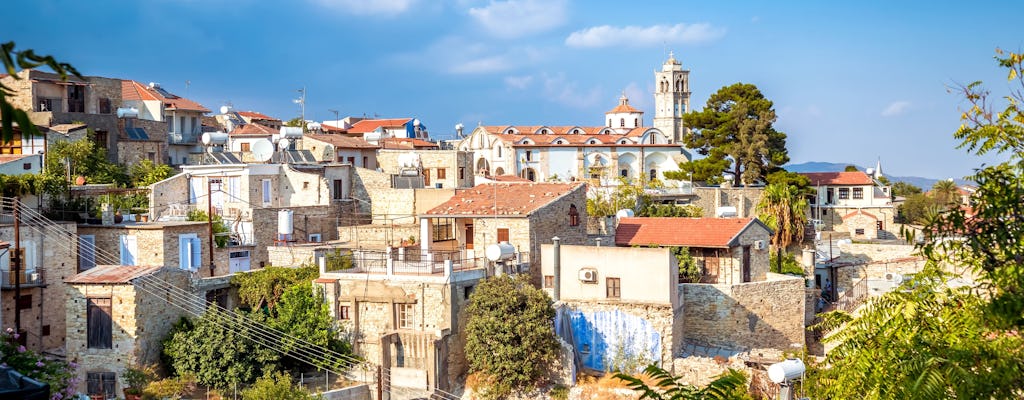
(406, 261)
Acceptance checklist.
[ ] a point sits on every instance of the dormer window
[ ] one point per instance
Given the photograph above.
(543, 131)
(575, 131)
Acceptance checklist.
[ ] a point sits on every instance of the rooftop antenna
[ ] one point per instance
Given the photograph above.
(337, 118)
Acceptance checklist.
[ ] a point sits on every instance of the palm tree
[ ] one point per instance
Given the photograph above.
(784, 209)
(730, 385)
(946, 192)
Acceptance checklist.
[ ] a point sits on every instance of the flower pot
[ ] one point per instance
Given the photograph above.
(118, 218)
(130, 394)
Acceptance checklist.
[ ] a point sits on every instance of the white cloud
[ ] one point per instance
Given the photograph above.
(557, 88)
(639, 36)
(640, 98)
(518, 82)
(368, 7)
(896, 108)
(516, 18)
(456, 55)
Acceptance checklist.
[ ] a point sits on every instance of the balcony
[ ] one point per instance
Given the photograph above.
(29, 278)
(406, 261)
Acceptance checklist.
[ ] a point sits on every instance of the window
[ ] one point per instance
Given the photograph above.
(27, 165)
(624, 173)
(441, 173)
(467, 292)
(352, 161)
(101, 383)
(549, 281)
(244, 147)
(195, 125)
(129, 249)
(24, 302)
(266, 191)
(305, 185)
(365, 160)
(858, 193)
(99, 323)
(859, 231)
(443, 229)
(406, 316)
(499, 151)
(170, 123)
(462, 173)
(574, 216)
(622, 122)
(844, 193)
(636, 122)
(181, 127)
(502, 235)
(613, 288)
(190, 252)
(76, 98)
(104, 106)
(609, 122)
(529, 155)
(343, 313)
(654, 174)
(338, 192)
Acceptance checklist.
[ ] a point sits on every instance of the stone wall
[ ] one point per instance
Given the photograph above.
(358, 392)
(57, 259)
(22, 89)
(700, 371)
(553, 220)
(755, 316)
(157, 242)
(130, 152)
(291, 256)
(140, 322)
(374, 235)
(173, 190)
(745, 199)
(433, 160)
(364, 183)
(321, 220)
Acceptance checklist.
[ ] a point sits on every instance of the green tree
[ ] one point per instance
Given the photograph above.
(670, 210)
(220, 228)
(735, 135)
(945, 192)
(216, 348)
(304, 313)
(277, 386)
(78, 157)
(800, 181)
(689, 271)
(264, 287)
(731, 385)
(509, 337)
(917, 208)
(904, 189)
(23, 59)
(931, 340)
(146, 172)
(627, 194)
(784, 209)
(851, 168)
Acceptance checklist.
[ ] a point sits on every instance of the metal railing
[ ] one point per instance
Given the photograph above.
(854, 297)
(403, 261)
(31, 277)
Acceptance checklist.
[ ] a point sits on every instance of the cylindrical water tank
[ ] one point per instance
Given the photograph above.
(291, 132)
(127, 112)
(284, 222)
(624, 213)
(214, 138)
(786, 370)
(500, 251)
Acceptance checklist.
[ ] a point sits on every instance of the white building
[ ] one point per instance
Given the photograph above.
(623, 147)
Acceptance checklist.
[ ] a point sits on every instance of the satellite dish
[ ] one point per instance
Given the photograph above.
(283, 144)
(416, 122)
(262, 150)
(225, 109)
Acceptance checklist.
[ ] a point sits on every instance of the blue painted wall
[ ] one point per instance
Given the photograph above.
(610, 340)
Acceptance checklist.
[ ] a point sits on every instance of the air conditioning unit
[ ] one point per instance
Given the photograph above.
(759, 245)
(894, 277)
(588, 275)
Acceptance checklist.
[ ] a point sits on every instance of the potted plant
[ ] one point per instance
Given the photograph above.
(137, 377)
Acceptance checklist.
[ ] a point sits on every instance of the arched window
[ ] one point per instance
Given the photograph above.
(574, 216)
(624, 173)
(622, 122)
(499, 151)
(679, 85)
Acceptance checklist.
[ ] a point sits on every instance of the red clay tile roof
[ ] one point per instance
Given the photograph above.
(332, 128)
(838, 178)
(344, 142)
(690, 232)
(369, 125)
(404, 143)
(254, 130)
(858, 212)
(513, 199)
(132, 90)
(106, 274)
(6, 158)
(508, 178)
(623, 108)
(256, 115)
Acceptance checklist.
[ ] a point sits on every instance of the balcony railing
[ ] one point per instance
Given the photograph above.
(404, 261)
(31, 277)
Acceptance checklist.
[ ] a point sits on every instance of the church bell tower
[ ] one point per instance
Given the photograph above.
(671, 98)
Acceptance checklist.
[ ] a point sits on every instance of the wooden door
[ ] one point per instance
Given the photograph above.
(469, 236)
(746, 264)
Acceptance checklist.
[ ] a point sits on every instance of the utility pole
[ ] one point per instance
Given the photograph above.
(16, 266)
(209, 218)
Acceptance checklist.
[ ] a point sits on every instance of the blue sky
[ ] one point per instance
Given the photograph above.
(851, 81)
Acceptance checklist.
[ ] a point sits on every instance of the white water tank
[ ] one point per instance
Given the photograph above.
(291, 132)
(409, 160)
(624, 213)
(500, 251)
(214, 138)
(127, 112)
(725, 212)
(786, 370)
(284, 222)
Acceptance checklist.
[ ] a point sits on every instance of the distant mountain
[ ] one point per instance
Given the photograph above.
(821, 166)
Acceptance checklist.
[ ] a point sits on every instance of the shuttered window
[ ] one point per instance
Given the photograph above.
(502, 235)
(99, 323)
(101, 383)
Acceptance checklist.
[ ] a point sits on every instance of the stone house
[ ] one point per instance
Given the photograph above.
(181, 116)
(47, 259)
(439, 168)
(728, 250)
(252, 117)
(524, 215)
(402, 311)
(616, 305)
(242, 138)
(312, 200)
(843, 194)
(373, 130)
(341, 149)
(115, 319)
